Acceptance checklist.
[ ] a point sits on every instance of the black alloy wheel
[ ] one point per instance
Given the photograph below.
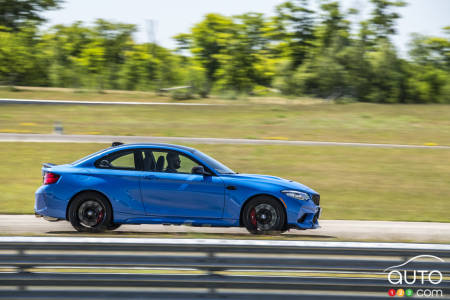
(90, 212)
(264, 215)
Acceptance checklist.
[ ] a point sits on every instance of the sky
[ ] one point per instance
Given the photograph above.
(171, 17)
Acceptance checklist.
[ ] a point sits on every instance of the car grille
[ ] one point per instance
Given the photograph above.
(316, 217)
(316, 199)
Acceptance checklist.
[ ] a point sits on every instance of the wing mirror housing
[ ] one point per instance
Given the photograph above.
(199, 170)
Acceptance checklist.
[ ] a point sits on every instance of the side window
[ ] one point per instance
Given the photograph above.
(186, 164)
(173, 162)
(148, 160)
(160, 161)
(125, 161)
(120, 160)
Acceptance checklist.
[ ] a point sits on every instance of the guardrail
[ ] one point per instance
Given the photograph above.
(128, 268)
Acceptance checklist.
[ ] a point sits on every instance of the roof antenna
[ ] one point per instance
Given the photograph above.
(115, 144)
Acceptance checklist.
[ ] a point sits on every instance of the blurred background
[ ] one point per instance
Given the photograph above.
(336, 71)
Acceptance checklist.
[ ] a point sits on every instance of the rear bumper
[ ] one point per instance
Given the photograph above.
(40, 203)
(46, 205)
(47, 218)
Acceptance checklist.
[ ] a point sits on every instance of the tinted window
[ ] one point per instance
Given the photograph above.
(186, 164)
(125, 161)
(148, 160)
(172, 162)
(118, 160)
(160, 161)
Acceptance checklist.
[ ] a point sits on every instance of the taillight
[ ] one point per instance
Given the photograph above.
(50, 178)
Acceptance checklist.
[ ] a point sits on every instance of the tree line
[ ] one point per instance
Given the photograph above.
(299, 51)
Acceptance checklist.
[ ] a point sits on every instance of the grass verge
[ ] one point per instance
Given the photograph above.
(358, 122)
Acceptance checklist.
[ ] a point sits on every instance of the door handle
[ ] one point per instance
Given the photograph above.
(150, 177)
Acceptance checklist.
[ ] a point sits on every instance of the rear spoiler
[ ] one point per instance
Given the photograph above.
(46, 166)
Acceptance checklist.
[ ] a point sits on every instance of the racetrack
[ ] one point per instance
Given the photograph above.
(331, 230)
(55, 138)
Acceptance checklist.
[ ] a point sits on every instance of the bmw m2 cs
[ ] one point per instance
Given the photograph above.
(169, 184)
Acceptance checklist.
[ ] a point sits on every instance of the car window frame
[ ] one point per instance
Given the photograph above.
(137, 155)
(207, 169)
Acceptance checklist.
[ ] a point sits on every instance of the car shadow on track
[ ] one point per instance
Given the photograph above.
(150, 234)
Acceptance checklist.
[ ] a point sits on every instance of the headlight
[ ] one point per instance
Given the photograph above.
(296, 195)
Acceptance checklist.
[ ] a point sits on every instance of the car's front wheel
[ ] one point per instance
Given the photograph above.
(264, 215)
(90, 212)
(113, 226)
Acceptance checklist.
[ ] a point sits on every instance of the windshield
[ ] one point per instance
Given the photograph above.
(211, 162)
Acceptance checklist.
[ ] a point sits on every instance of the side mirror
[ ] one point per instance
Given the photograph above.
(104, 164)
(199, 170)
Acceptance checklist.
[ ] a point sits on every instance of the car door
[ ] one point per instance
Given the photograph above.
(180, 193)
(118, 176)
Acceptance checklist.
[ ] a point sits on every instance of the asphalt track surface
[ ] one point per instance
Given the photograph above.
(55, 138)
(330, 230)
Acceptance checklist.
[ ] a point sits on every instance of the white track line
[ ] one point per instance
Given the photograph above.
(221, 242)
(53, 138)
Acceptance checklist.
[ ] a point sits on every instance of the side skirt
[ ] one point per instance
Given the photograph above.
(179, 221)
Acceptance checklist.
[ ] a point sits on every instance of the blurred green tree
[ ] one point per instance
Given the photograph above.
(16, 13)
(429, 76)
(63, 45)
(384, 17)
(298, 51)
(294, 23)
(19, 61)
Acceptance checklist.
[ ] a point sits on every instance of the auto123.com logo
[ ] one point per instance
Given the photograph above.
(401, 275)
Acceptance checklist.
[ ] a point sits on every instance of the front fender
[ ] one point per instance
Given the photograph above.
(235, 199)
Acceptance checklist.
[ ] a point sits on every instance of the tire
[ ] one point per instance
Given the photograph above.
(264, 215)
(113, 226)
(90, 212)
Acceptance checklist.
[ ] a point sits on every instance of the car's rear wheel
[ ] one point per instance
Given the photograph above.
(264, 215)
(90, 212)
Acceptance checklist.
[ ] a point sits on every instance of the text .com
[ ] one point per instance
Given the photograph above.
(399, 276)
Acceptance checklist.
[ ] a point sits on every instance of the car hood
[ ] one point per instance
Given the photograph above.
(281, 182)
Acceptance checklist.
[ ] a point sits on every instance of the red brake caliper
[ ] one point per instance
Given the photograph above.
(100, 217)
(253, 217)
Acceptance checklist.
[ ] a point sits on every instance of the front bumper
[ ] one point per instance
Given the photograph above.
(309, 220)
(304, 215)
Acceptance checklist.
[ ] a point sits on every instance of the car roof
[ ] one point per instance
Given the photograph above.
(143, 145)
(94, 156)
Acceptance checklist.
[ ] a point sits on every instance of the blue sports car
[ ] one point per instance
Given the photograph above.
(170, 184)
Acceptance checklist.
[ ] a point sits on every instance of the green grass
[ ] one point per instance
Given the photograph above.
(253, 117)
(359, 122)
(355, 183)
